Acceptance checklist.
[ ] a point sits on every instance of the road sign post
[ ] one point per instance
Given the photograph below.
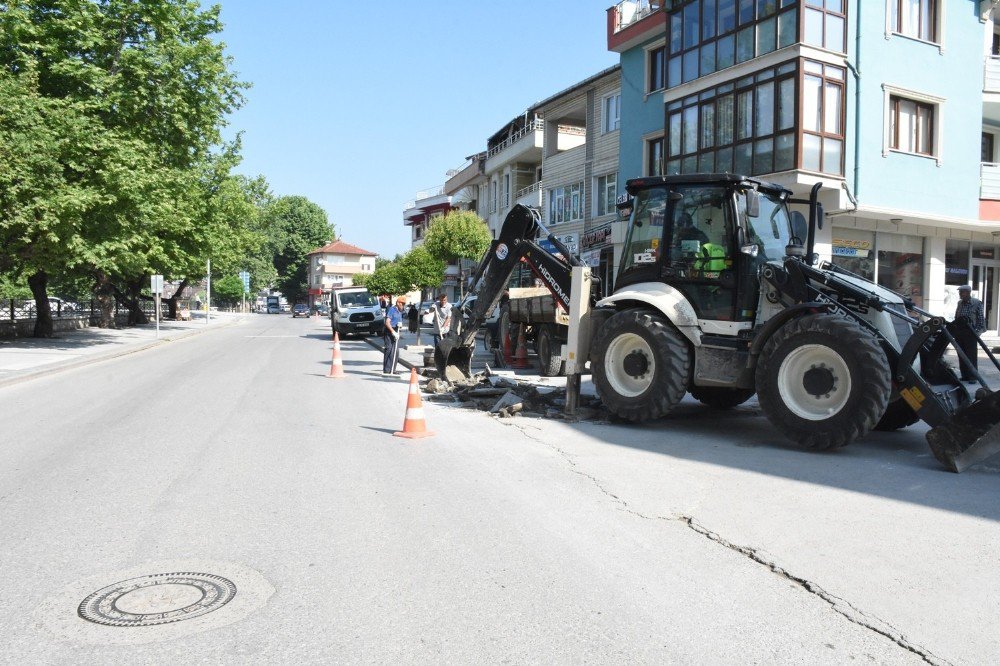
(156, 286)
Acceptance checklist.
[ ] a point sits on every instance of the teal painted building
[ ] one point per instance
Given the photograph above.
(893, 105)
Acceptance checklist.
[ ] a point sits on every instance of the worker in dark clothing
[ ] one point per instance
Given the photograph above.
(413, 319)
(390, 337)
(969, 324)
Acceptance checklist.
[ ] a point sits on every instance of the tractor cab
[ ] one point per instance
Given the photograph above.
(705, 235)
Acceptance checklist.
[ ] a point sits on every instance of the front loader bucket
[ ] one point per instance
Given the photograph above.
(453, 361)
(971, 436)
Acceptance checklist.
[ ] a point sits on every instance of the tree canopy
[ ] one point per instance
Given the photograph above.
(459, 234)
(295, 226)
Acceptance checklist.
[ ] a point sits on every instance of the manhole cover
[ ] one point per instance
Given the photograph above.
(157, 599)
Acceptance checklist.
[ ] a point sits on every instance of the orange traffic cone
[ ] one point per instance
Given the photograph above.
(337, 366)
(507, 355)
(521, 353)
(414, 426)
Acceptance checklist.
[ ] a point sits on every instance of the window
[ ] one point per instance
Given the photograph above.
(914, 18)
(493, 197)
(749, 126)
(566, 203)
(506, 190)
(822, 118)
(825, 24)
(654, 157)
(612, 112)
(657, 73)
(911, 127)
(607, 192)
(705, 36)
(986, 148)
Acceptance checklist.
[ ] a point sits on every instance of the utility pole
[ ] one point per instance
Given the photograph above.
(208, 293)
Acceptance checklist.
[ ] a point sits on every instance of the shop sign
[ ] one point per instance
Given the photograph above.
(843, 247)
(982, 253)
(597, 237)
(569, 240)
(592, 259)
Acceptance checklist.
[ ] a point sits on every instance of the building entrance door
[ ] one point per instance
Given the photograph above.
(984, 287)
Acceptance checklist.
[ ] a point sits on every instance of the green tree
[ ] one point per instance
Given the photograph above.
(228, 291)
(424, 271)
(295, 226)
(127, 98)
(458, 235)
(389, 277)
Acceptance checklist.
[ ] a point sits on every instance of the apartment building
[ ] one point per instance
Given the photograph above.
(580, 128)
(335, 265)
(893, 105)
(418, 215)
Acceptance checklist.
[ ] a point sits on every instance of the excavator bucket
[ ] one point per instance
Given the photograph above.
(971, 436)
(453, 360)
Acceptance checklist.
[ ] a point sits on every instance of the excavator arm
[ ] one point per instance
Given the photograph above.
(453, 355)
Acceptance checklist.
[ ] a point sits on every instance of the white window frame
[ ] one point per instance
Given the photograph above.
(562, 194)
(600, 194)
(890, 29)
(937, 142)
(646, 138)
(660, 44)
(605, 116)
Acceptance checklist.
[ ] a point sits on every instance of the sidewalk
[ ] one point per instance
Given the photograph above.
(22, 359)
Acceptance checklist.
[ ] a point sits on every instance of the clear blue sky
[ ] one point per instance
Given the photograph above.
(358, 105)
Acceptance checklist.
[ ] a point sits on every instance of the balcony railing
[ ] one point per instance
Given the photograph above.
(989, 181)
(632, 11)
(514, 138)
(991, 75)
(524, 191)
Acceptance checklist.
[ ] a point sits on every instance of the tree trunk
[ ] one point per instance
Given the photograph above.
(130, 298)
(104, 295)
(172, 301)
(43, 313)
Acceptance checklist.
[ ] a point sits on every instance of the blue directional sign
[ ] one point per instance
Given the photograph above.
(245, 277)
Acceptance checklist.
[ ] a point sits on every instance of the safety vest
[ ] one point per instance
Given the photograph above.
(711, 260)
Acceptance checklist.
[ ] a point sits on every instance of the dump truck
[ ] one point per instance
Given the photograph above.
(720, 294)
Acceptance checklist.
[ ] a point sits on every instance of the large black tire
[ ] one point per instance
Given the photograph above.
(551, 366)
(719, 397)
(823, 381)
(640, 365)
(897, 415)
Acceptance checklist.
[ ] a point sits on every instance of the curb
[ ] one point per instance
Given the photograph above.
(99, 358)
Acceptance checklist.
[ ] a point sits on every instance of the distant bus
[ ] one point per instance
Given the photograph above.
(273, 305)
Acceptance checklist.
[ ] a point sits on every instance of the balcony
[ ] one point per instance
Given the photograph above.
(530, 195)
(991, 75)
(629, 12)
(523, 145)
(989, 181)
(628, 25)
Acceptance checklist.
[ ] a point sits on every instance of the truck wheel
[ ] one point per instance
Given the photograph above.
(503, 328)
(897, 415)
(640, 365)
(823, 381)
(551, 366)
(720, 397)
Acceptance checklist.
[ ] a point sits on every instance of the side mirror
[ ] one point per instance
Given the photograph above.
(800, 228)
(753, 203)
(750, 250)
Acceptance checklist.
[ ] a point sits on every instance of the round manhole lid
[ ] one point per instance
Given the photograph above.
(157, 599)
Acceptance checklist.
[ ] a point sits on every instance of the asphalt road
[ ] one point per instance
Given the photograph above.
(700, 539)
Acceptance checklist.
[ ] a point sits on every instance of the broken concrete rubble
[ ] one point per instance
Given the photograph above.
(506, 397)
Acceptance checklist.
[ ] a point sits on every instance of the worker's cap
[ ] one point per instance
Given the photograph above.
(965, 287)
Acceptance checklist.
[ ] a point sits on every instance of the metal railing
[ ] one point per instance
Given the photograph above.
(524, 191)
(989, 181)
(12, 309)
(991, 74)
(514, 138)
(628, 12)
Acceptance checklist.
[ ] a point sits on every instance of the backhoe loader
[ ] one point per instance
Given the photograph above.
(721, 295)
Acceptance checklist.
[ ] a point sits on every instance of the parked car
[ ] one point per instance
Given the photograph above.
(57, 305)
(300, 310)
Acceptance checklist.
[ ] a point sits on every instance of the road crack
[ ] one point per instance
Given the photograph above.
(840, 606)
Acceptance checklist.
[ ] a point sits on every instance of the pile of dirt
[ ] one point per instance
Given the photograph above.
(507, 398)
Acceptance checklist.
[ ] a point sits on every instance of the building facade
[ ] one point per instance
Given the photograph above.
(418, 215)
(335, 265)
(889, 104)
